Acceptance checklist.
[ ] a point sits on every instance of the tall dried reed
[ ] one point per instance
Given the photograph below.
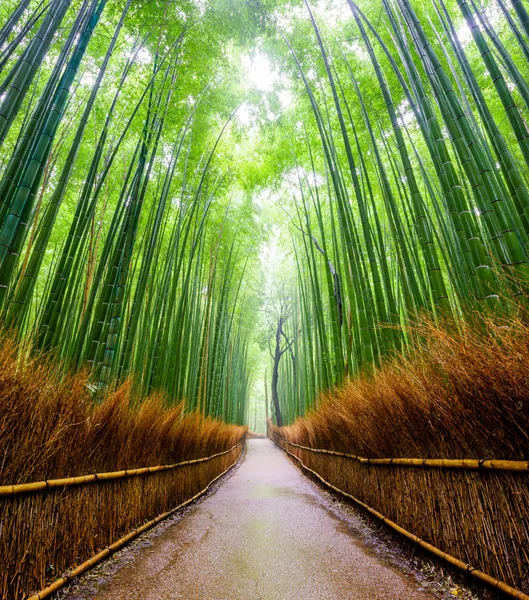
(50, 427)
(461, 392)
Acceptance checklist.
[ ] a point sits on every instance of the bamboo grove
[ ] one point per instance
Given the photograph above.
(411, 192)
(134, 160)
(118, 247)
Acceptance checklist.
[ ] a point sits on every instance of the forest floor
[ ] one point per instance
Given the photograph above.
(266, 533)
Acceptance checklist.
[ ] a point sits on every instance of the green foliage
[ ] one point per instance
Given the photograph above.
(411, 191)
(165, 166)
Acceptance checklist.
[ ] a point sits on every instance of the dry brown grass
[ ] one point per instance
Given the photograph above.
(51, 428)
(463, 392)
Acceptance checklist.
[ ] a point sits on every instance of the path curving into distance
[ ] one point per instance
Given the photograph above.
(267, 533)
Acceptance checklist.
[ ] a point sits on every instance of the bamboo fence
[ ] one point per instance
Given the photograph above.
(477, 511)
(49, 527)
(520, 466)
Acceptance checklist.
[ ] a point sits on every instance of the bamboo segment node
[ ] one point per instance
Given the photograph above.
(39, 486)
(519, 466)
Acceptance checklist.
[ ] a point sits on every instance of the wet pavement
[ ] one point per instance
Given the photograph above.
(267, 533)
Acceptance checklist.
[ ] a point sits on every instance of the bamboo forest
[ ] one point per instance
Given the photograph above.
(264, 277)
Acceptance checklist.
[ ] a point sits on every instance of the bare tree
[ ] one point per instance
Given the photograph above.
(283, 344)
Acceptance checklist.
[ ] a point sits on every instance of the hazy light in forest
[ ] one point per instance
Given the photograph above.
(259, 73)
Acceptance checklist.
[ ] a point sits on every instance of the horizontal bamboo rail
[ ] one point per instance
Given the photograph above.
(458, 564)
(39, 486)
(520, 466)
(109, 550)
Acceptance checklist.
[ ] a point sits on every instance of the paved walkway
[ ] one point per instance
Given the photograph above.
(266, 534)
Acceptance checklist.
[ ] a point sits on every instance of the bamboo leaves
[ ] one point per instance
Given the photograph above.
(441, 204)
(137, 287)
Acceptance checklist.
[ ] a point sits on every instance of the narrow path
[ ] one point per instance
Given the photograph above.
(265, 534)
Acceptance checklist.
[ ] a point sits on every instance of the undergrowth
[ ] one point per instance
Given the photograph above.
(51, 427)
(460, 391)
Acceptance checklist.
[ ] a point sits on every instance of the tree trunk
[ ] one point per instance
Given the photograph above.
(275, 373)
(266, 395)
